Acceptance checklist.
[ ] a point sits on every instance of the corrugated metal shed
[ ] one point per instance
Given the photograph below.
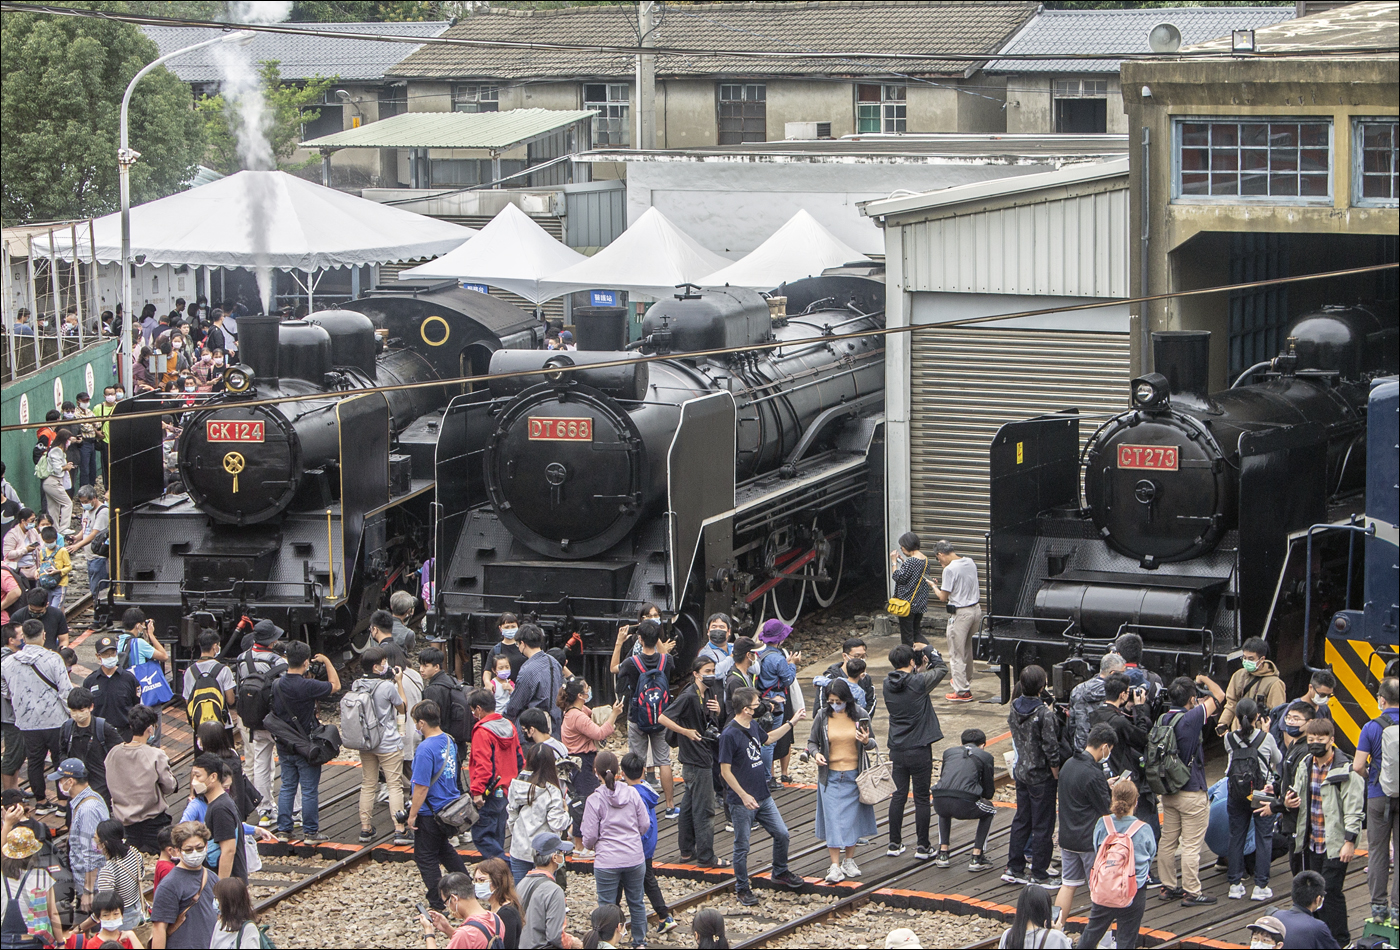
(1062, 233)
(481, 130)
(298, 56)
(1121, 31)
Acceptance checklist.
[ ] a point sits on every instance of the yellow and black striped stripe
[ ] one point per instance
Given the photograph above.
(1358, 667)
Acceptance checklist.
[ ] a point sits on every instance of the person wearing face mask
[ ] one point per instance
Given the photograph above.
(690, 716)
(87, 429)
(495, 890)
(1382, 812)
(1267, 933)
(509, 628)
(1084, 798)
(717, 647)
(1330, 800)
(88, 739)
(581, 732)
(965, 790)
(1257, 679)
(840, 742)
(384, 684)
(1302, 923)
(108, 926)
(139, 778)
(1291, 722)
(93, 535)
(479, 927)
(1252, 759)
(1321, 685)
(75, 444)
(184, 911)
(88, 810)
(113, 690)
(102, 429)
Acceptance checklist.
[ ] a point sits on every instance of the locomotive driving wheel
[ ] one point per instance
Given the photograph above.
(824, 571)
(784, 600)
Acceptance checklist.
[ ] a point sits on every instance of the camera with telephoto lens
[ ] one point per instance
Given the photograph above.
(401, 815)
(764, 715)
(316, 670)
(710, 735)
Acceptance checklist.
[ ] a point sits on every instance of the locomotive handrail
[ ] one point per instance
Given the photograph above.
(1207, 635)
(1367, 530)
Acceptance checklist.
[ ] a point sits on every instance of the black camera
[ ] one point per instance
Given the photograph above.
(764, 715)
(711, 736)
(316, 670)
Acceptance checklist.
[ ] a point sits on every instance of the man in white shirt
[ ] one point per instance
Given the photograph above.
(958, 589)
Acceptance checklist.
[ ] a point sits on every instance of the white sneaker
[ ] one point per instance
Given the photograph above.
(1236, 892)
(850, 868)
(835, 875)
(1262, 894)
(383, 794)
(1108, 941)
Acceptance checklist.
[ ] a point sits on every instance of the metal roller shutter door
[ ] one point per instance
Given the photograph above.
(966, 383)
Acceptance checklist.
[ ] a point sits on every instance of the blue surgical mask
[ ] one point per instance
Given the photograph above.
(87, 506)
(1294, 731)
(838, 707)
(483, 890)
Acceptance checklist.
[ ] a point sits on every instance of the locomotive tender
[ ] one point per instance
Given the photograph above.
(1194, 511)
(306, 512)
(733, 482)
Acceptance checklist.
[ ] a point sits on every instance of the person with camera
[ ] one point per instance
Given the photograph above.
(644, 680)
(384, 684)
(839, 743)
(434, 788)
(913, 730)
(294, 699)
(777, 671)
(1186, 812)
(749, 798)
(1037, 775)
(719, 628)
(695, 717)
(1127, 709)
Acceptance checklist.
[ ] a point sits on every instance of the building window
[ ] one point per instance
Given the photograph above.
(1269, 160)
(743, 113)
(879, 108)
(1375, 171)
(1081, 106)
(476, 98)
(613, 125)
(393, 100)
(329, 119)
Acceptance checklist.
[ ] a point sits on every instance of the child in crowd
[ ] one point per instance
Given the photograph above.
(498, 681)
(169, 856)
(55, 566)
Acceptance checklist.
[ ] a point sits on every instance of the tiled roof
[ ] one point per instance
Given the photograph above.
(1121, 31)
(1375, 23)
(299, 57)
(494, 130)
(821, 26)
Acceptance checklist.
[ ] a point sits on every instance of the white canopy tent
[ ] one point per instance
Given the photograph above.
(651, 257)
(512, 252)
(802, 247)
(268, 219)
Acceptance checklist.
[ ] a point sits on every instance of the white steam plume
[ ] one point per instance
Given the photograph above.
(251, 120)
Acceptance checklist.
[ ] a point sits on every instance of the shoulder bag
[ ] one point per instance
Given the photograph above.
(898, 606)
(875, 783)
(460, 813)
(180, 920)
(150, 678)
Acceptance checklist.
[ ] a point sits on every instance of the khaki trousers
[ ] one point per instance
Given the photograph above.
(370, 764)
(1184, 819)
(961, 627)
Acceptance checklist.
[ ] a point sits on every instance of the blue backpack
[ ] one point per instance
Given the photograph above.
(653, 695)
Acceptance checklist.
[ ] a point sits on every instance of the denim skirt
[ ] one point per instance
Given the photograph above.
(841, 819)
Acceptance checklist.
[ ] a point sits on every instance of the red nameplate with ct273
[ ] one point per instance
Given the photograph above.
(560, 430)
(234, 431)
(1160, 457)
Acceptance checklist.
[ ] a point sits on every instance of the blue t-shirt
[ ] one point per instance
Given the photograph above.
(432, 754)
(144, 650)
(1370, 744)
(742, 750)
(649, 798)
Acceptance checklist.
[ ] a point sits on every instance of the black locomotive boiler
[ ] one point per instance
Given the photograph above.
(741, 482)
(1191, 502)
(309, 511)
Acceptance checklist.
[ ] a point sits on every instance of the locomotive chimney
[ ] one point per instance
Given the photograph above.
(1183, 357)
(600, 328)
(259, 344)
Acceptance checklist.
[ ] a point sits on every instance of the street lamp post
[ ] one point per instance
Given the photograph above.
(126, 157)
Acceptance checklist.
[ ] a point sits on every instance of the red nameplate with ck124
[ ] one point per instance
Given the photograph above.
(239, 431)
(1159, 457)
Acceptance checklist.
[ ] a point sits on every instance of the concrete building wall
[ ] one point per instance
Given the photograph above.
(687, 113)
(981, 104)
(800, 101)
(1030, 105)
(1183, 247)
(430, 97)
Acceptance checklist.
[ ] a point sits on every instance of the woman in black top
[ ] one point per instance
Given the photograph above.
(495, 888)
(909, 569)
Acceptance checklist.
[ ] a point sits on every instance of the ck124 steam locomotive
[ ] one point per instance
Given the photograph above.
(745, 482)
(1196, 510)
(307, 512)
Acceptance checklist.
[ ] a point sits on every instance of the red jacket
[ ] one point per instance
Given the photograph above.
(495, 753)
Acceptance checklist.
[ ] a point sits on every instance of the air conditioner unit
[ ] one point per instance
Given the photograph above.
(806, 130)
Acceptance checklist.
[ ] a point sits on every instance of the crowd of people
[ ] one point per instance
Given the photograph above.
(519, 763)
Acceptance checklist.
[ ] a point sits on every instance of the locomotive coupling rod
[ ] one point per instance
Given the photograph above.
(1367, 530)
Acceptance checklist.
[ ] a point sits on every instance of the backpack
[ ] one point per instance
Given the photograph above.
(65, 735)
(1388, 758)
(653, 695)
(360, 728)
(253, 695)
(495, 936)
(25, 584)
(1113, 878)
(41, 465)
(456, 714)
(1246, 771)
(1166, 773)
(207, 702)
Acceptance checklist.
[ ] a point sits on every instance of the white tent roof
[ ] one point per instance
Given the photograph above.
(651, 257)
(306, 226)
(512, 252)
(802, 247)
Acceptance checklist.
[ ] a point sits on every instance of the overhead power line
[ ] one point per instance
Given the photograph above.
(976, 56)
(177, 409)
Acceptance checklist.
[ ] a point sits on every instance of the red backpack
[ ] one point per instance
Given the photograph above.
(1113, 879)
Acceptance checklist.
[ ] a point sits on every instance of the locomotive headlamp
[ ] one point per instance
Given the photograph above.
(1151, 391)
(238, 379)
(558, 376)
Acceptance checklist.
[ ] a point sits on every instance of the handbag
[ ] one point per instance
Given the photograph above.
(150, 678)
(460, 813)
(876, 783)
(898, 606)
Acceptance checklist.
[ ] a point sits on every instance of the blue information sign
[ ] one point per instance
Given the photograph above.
(603, 298)
(479, 288)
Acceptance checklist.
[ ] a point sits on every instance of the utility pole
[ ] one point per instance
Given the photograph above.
(645, 124)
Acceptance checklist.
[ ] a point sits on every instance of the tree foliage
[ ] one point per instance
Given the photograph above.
(61, 85)
(287, 109)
